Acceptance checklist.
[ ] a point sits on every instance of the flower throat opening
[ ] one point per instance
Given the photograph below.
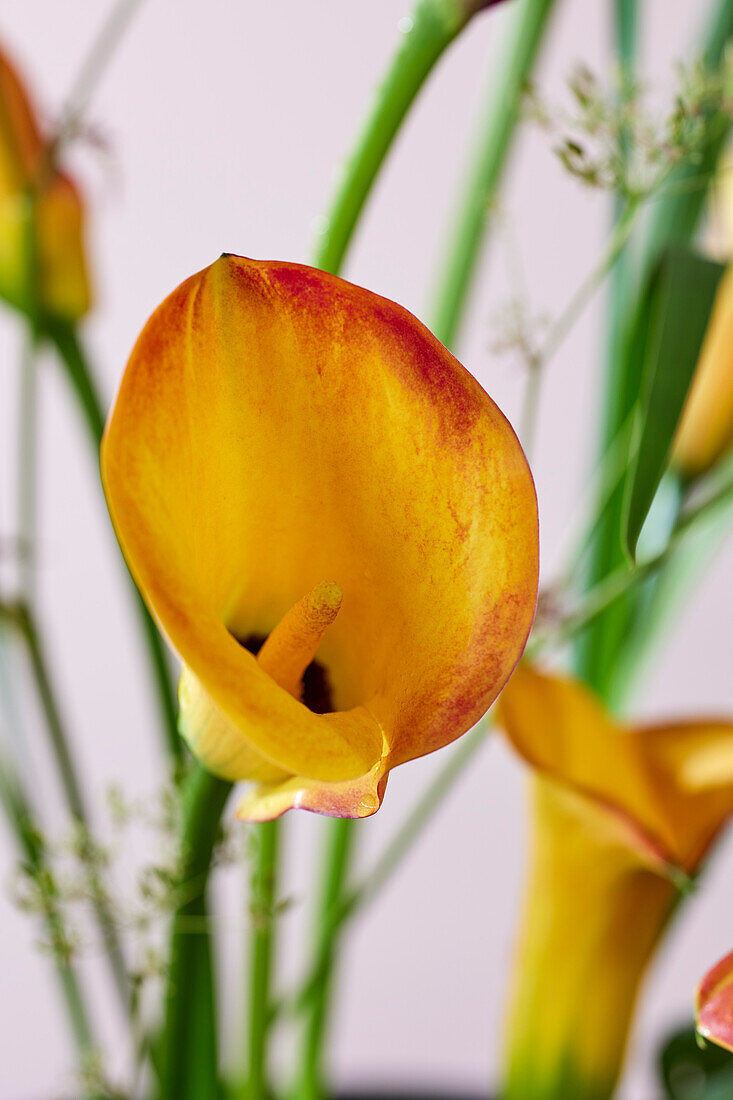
(288, 652)
(316, 692)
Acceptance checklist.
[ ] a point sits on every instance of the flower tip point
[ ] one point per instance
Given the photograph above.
(701, 1038)
(325, 600)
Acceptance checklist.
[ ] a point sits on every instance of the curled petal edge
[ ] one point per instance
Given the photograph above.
(715, 1004)
(352, 798)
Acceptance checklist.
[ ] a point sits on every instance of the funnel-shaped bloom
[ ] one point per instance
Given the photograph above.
(705, 432)
(620, 815)
(41, 214)
(293, 458)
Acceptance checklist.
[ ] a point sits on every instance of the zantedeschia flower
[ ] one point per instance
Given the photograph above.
(715, 1004)
(295, 459)
(60, 266)
(705, 432)
(619, 814)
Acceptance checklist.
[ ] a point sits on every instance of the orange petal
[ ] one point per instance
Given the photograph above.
(277, 428)
(673, 782)
(715, 1004)
(355, 798)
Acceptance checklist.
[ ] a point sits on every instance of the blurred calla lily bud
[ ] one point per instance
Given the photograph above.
(333, 524)
(42, 258)
(705, 432)
(622, 817)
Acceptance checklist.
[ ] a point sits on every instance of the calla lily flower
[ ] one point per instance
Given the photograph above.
(715, 1004)
(622, 817)
(331, 521)
(705, 432)
(33, 192)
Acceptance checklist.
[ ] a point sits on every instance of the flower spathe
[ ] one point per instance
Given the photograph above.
(620, 815)
(41, 213)
(333, 524)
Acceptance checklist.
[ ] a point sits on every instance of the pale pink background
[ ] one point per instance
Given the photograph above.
(226, 123)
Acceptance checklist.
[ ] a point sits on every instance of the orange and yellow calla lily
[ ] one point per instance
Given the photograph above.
(705, 432)
(333, 524)
(620, 814)
(41, 214)
(715, 1004)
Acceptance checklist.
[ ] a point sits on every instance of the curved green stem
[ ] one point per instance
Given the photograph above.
(262, 914)
(430, 29)
(400, 845)
(186, 1075)
(64, 338)
(32, 849)
(495, 133)
(61, 749)
(337, 855)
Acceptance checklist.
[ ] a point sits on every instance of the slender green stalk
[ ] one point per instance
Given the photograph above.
(336, 858)
(414, 823)
(400, 845)
(427, 33)
(262, 914)
(93, 67)
(677, 215)
(32, 850)
(517, 60)
(564, 323)
(674, 219)
(63, 336)
(23, 619)
(625, 37)
(185, 1074)
(611, 254)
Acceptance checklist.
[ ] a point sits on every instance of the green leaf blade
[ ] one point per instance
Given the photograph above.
(679, 301)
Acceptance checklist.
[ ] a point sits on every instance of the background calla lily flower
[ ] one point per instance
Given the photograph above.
(715, 1004)
(293, 458)
(56, 211)
(619, 815)
(705, 431)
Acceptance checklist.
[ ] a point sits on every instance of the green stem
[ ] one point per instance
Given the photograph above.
(495, 134)
(625, 36)
(93, 67)
(262, 914)
(429, 31)
(64, 338)
(32, 849)
(400, 845)
(23, 619)
(341, 837)
(184, 1076)
(625, 27)
(674, 219)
